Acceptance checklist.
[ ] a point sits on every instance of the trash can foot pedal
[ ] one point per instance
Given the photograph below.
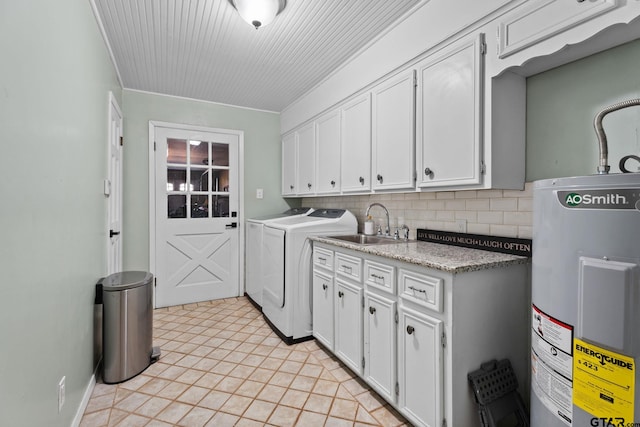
(155, 354)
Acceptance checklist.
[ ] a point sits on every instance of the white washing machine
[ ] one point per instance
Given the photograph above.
(286, 297)
(253, 261)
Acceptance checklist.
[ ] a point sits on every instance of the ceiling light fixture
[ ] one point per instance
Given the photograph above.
(258, 13)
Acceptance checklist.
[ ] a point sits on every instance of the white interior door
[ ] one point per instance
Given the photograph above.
(197, 227)
(113, 188)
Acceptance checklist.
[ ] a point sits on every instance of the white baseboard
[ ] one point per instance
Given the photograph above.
(85, 399)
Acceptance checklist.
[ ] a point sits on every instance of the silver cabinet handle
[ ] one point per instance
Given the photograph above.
(322, 259)
(418, 290)
(428, 171)
(340, 294)
(333, 183)
(324, 286)
(379, 178)
(345, 268)
(309, 185)
(361, 179)
(372, 309)
(410, 329)
(375, 276)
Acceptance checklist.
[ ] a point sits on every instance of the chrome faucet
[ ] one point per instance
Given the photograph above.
(366, 214)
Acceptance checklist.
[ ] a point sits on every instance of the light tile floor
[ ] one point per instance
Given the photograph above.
(222, 365)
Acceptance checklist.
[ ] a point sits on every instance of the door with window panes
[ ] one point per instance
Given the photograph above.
(197, 234)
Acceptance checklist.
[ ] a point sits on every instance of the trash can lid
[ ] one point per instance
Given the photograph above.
(126, 280)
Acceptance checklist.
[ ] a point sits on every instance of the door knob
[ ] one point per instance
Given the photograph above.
(361, 179)
(324, 286)
(428, 172)
(410, 329)
(333, 183)
(309, 185)
(113, 233)
(379, 178)
(372, 309)
(340, 294)
(232, 225)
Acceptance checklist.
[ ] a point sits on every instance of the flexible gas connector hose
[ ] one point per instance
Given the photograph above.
(603, 167)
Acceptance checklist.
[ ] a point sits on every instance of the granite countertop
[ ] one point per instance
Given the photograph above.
(452, 259)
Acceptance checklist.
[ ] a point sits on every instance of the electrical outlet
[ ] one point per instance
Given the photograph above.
(462, 225)
(61, 393)
(259, 193)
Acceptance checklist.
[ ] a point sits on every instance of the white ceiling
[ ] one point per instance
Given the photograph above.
(202, 49)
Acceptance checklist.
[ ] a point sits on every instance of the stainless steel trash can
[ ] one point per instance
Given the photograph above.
(127, 325)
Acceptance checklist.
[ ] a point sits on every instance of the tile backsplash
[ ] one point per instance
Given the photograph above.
(506, 213)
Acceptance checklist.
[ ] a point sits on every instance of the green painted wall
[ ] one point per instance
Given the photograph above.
(55, 75)
(561, 106)
(261, 159)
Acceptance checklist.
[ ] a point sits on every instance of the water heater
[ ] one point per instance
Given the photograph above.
(585, 317)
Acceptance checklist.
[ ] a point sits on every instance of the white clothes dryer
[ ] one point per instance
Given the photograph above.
(253, 260)
(286, 297)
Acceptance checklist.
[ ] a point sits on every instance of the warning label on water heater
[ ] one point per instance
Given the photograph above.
(552, 364)
(604, 381)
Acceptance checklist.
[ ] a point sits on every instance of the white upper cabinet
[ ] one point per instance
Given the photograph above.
(449, 115)
(328, 153)
(356, 144)
(393, 143)
(540, 20)
(305, 181)
(289, 171)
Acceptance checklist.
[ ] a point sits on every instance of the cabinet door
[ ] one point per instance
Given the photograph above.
(450, 116)
(420, 369)
(540, 20)
(289, 157)
(380, 344)
(306, 159)
(323, 308)
(348, 324)
(393, 132)
(356, 145)
(328, 153)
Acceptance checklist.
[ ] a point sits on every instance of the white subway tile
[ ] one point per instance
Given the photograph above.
(478, 228)
(504, 205)
(468, 194)
(504, 230)
(518, 218)
(436, 205)
(455, 205)
(478, 205)
(445, 195)
(525, 232)
(525, 204)
(490, 217)
(470, 216)
(411, 196)
(445, 215)
(427, 195)
(489, 194)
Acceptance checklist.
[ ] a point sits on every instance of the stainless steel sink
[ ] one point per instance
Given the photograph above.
(363, 239)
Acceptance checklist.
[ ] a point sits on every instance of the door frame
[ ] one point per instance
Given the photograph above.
(112, 191)
(153, 124)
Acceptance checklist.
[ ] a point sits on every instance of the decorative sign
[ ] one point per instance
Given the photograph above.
(507, 245)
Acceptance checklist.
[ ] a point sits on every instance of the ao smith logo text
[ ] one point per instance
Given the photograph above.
(622, 198)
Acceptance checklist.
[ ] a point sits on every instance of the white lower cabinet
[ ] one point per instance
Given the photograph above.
(348, 324)
(419, 331)
(420, 370)
(323, 308)
(380, 344)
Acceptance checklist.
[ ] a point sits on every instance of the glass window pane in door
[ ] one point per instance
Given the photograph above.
(200, 179)
(199, 206)
(220, 154)
(177, 151)
(176, 178)
(177, 206)
(199, 152)
(220, 180)
(220, 206)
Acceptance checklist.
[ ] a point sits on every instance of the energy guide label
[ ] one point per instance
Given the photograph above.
(552, 364)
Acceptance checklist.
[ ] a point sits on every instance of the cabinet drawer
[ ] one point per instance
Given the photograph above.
(323, 258)
(349, 266)
(421, 289)
(380, 276)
